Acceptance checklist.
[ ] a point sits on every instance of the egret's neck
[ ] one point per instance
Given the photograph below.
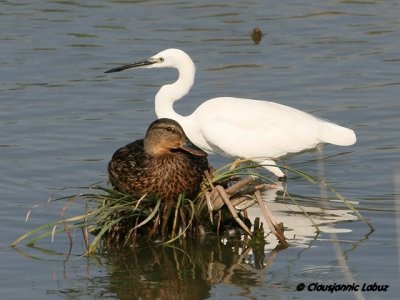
(170, 93)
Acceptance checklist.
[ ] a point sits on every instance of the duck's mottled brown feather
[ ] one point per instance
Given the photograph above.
(132, 170)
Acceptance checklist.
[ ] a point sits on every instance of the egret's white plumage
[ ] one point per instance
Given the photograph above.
(240, 128)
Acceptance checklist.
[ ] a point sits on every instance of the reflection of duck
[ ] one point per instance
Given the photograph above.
(165, 163)
(187, 269)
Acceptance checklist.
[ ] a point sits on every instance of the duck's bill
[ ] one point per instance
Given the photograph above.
(188, 146)
(142, 63)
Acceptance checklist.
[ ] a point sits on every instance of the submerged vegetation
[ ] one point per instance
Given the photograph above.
(112, 218)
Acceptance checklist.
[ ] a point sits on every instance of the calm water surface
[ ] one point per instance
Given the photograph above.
(61, 118)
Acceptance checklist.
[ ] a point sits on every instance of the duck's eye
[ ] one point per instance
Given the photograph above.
(169, 129)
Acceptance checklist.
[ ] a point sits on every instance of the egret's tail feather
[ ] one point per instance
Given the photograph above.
(338, 135)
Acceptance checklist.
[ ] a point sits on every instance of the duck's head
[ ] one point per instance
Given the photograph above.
(165, 136)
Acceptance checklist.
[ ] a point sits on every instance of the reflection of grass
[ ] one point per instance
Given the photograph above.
(113, 217)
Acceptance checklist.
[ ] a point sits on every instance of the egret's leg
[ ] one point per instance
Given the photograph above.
(270, 165)
(235, 164)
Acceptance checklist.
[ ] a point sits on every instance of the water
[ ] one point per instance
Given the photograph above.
(61, 118)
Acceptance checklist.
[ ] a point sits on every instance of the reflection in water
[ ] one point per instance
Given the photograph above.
(302, 223)
(191, 268)
(182, 271)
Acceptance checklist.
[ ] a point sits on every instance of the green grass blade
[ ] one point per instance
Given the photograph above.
(34, 231)
(150, 216)
(97, 239)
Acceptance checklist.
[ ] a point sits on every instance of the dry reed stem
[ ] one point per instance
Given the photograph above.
(228, 203)
(275, 228)
(239, 185)
(217, 201)
(235, 195)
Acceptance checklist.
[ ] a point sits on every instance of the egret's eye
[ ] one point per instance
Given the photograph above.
(161, 59)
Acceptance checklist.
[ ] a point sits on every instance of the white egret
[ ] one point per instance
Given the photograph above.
(240, 128)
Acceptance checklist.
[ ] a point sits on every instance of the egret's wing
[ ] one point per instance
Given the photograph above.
(246, 128)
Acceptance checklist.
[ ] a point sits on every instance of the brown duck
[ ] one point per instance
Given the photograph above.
(165, 163)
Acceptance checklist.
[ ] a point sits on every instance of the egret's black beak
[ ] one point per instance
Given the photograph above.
(143, 63)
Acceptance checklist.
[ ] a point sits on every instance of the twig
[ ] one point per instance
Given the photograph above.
(272, 224)
(237, 186)
(232, 209)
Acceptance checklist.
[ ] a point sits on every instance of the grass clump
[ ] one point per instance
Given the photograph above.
(110, 217)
